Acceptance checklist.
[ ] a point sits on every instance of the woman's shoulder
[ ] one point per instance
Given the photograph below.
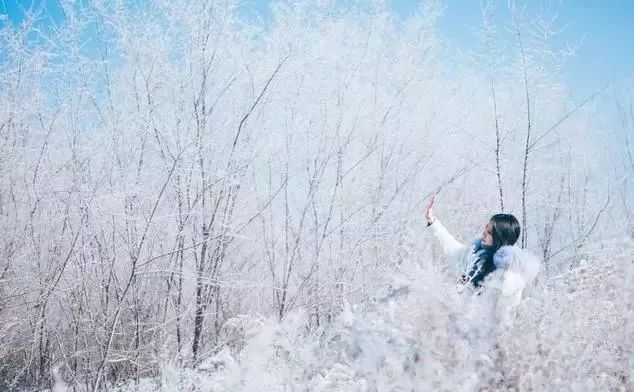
(518, 261)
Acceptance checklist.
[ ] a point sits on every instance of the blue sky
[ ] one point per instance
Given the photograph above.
(604, 27)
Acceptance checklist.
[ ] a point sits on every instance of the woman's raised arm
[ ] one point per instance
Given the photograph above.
(452, 248)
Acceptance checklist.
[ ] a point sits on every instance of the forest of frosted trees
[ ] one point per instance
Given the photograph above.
(193, 199)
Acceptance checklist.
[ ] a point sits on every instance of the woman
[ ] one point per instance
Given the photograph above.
(492, 263)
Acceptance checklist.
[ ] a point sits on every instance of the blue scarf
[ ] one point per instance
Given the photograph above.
(482, 266)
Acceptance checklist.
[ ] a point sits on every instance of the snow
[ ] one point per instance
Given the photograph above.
(420, 335)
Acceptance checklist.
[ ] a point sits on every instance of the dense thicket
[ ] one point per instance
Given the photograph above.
(165, 166)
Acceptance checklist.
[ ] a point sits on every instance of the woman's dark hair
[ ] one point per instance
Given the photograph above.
(505, 230)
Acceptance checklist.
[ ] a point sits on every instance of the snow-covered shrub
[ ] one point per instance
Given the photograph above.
(420, 335)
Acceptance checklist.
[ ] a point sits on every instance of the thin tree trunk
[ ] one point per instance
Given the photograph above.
(488, 38)
(529, 125)
(199, 316)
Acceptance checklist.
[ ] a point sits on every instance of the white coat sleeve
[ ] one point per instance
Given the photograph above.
(520, 268)
(455, 251)
(510, 296)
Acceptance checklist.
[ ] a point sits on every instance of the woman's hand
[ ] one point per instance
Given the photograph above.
(429, 214)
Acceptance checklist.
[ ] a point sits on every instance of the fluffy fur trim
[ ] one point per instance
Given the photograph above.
(518, 260)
